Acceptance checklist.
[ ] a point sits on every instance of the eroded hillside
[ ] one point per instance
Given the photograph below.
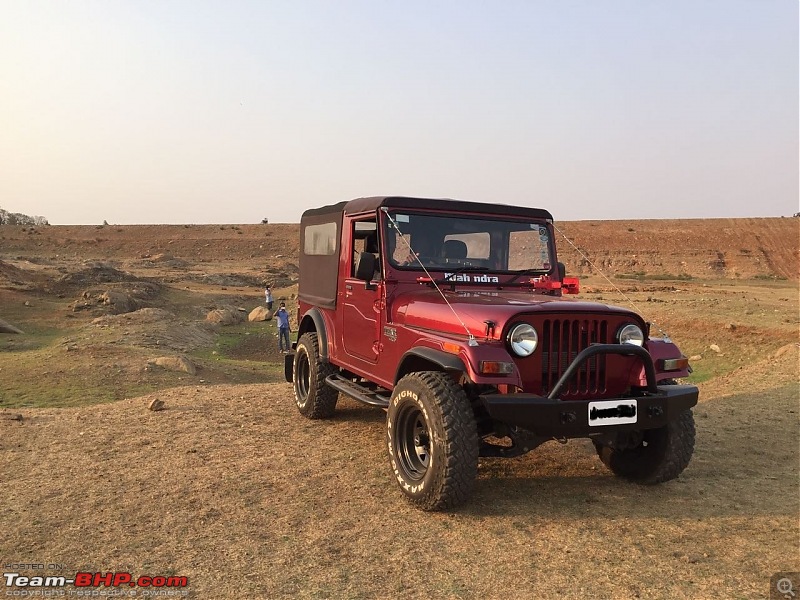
(700, 248)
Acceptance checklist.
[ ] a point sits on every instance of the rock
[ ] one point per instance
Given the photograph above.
(78, 306)
(8, 328)
(174, 363)
(167, 259)
(715, 348)
(119, 302)
(260, 313)
(731, 326)
(156, 404)
(227, 315)
(787, 348)
(696, 357)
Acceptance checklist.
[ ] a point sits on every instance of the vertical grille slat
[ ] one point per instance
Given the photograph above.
(562, 341)
(596, 380)
(547, 347)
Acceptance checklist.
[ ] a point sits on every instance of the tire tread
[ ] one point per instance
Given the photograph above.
(674, 456)
(322, 398)
(461, 441)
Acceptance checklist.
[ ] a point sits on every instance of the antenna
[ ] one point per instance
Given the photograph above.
(472, 341)
(591, 264)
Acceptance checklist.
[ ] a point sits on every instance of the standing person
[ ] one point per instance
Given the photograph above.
(283, 329)
(270, 299)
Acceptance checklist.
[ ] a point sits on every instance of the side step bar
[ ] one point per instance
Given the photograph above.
(356, 392)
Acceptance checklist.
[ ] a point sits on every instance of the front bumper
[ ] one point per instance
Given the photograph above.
(547, 416)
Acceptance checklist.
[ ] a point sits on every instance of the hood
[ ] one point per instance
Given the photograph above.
(425, 308)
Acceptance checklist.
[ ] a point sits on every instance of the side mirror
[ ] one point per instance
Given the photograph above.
(365, 269)
(569, 285)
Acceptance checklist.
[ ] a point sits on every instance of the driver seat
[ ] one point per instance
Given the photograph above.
(455, 249)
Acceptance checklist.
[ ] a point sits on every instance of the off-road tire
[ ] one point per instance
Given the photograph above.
(663, 454)
(433, 440)
(315, 399)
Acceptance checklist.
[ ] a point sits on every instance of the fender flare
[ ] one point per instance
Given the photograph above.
(315, 316)
(661, 349)
(420, 355)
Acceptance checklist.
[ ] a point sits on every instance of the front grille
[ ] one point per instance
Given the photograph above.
(562, 340)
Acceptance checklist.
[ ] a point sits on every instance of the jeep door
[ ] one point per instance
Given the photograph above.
(360, 312)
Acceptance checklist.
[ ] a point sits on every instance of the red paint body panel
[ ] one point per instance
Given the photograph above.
(373, 325)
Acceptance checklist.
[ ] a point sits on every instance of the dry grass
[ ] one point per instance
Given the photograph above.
(232, 488)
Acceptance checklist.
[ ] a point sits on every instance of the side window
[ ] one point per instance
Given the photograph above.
(365, 239)
(320, 240)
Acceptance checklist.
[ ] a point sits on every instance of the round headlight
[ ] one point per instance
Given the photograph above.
(523, 339)
(630, 334)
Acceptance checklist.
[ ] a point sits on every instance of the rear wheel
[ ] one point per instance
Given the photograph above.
(314, 398)
(653, 455)
(432, 440)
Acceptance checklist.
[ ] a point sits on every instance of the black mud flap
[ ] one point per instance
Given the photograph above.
(288, 364)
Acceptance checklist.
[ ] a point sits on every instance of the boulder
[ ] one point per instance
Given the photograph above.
(156, 404)
(227, 315)
(118, 302)
(8, 328)
(260, 313)
(174, 363)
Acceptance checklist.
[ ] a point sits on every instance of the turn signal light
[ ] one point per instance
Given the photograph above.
(496, 367)
(674, 364)
(451, 348)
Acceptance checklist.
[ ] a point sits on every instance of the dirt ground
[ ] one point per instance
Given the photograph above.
(230, 487)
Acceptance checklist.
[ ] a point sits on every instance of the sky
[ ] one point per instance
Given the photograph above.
(173, 111)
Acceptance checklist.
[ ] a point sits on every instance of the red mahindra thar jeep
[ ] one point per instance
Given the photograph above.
(456, 318)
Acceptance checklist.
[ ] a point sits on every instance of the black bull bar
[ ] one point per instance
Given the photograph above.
(550, 417)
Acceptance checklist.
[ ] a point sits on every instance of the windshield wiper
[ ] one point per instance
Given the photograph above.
(462, 269)
(519, 274)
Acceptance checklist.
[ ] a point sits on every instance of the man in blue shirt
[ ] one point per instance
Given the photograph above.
(284, 343)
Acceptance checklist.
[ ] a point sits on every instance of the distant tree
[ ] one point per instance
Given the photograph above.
(9, 218)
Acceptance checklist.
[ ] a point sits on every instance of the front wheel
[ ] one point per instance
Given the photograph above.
(653, 455)
(433, 440)
(315, 399)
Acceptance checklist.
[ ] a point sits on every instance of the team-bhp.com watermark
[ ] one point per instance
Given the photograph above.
(94, 584)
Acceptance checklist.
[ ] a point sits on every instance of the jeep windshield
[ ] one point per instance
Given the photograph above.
(461, 244)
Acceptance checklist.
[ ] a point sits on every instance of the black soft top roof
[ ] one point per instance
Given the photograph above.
(360, 205)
